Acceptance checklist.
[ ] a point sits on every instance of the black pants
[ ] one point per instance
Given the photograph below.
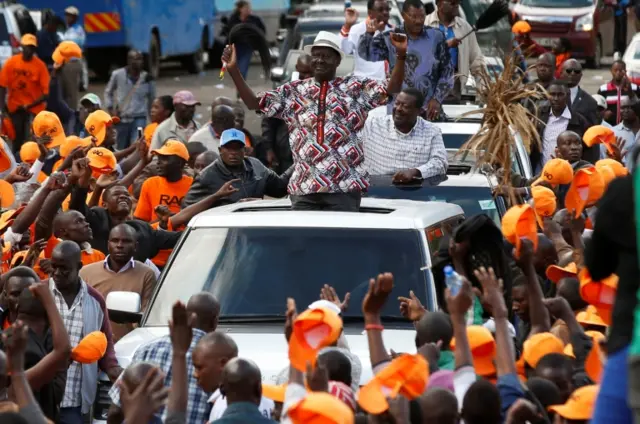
(21, 120)
(342, 202)
(620, 33)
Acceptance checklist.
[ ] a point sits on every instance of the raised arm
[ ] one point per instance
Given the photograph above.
(44, 221)
(399, 42)
(374, 48)
(538, 313)
(372, 304)
(181, 333)
(184, 216)
(246, 93)
(458, 306)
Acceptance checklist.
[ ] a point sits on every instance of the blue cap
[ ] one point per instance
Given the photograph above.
(228, 136)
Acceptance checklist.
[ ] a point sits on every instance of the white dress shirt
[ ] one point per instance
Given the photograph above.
(556, 125)
(363, 68)
(574, 93)
(387, 150)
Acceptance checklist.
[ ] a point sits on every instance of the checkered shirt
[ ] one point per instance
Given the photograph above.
(74, 323)
(387, 150)
(160, 352)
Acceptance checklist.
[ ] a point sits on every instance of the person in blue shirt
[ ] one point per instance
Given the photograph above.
(75, 32)
(48, 39)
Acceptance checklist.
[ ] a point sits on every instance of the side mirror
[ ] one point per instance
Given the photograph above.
(277, 74)
(124, 307)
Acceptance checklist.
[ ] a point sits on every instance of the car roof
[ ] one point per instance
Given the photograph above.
(458, 127)
(374, 213)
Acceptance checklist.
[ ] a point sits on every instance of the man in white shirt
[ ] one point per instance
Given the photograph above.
(404, 144)
(351, 32)
(629, 127)
(222, 118)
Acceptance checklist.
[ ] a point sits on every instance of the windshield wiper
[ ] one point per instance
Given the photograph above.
(236, 319)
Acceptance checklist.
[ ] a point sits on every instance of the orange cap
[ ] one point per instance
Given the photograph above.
(521, 27)
(406, 375)
(7, 218)
(91, 348)
(556, 171)
(71, 143)
(556, 273)
(600, 294)
(29, 40)
(539, 345)
(580, 404)
(483, 349)
(273, 392)
(585, 190)
(101, 160)
(312, 330)
(321, 408)
(593, 364)
(7, 194)
(520, 222)
(173, 147)
(97, 123)
(48, 123)
(65, 51)
(29, 152)
(599, 134)
(544, 203)
(595, 335)
(607, 174)
(616, 166)
(590, 317)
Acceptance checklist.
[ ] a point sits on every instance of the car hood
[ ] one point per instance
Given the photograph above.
(527, 11)
(268, 348)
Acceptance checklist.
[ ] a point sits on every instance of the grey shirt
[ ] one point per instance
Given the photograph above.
(170, 128)
(119, 86)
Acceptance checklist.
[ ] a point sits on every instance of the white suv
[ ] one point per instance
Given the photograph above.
(15, 22)
(254, 255)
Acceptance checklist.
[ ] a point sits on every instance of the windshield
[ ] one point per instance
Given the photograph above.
(473, 200)
(453, 142)
(252, 271)
(557, 4)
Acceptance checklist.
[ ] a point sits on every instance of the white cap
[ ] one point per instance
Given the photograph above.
(601, 101)
(72, 10)
(325, 304)
(326, 39)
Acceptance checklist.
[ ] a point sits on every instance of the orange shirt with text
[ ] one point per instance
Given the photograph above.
(25, 82)
(157, 191)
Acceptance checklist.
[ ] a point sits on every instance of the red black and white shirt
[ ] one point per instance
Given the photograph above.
(613, 94)
(324, 120)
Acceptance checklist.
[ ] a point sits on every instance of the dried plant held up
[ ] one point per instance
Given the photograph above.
(505, 113)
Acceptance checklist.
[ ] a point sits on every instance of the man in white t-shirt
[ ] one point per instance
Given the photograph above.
(351, 32)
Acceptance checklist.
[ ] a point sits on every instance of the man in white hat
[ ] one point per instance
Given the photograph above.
(75, 32)
(324, 115)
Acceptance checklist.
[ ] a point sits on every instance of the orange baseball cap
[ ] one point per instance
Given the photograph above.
(544, 203)
(71, 143)
(521, 27)
(101, 160)
(580, 405)
(406, 375)
(483, 349)
(599, 134)
(48, 123)
(590, 317)
(173, 148)
(586, 189)
(593, 364)
(313, 329)
(556, 171)
(520, 222)
(29, 152)
(320, 408)
(616, 166)
(7, 217)
(600, 294)
(539, 345)
(556, 273)
(7, 194)
(91, 348)
(65, 51)
(274, 392)
(29, 40)
(607, 174)
(97, 123)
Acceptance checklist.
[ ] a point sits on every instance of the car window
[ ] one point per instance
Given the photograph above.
(454, 141)
(4, 30)
(25, 22)
(252, 271)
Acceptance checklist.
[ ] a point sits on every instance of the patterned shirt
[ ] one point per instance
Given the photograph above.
(556, 125)
(387, 150)
(160, 352)
(428, 65)
(614, 95)
(73, 322)
(324, 120)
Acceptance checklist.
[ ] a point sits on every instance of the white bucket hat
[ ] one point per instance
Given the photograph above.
(326, 39)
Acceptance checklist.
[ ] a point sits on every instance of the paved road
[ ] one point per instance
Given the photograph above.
(208, 86)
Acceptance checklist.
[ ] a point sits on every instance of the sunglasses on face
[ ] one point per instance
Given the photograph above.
(573, 71)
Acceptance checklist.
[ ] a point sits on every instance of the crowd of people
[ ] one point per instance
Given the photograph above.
(96, 192)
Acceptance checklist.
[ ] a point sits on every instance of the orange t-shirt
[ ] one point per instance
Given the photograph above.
(158, 191)
(148, 132)
(25, 82)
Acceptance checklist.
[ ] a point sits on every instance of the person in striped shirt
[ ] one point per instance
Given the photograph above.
(615, 90)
